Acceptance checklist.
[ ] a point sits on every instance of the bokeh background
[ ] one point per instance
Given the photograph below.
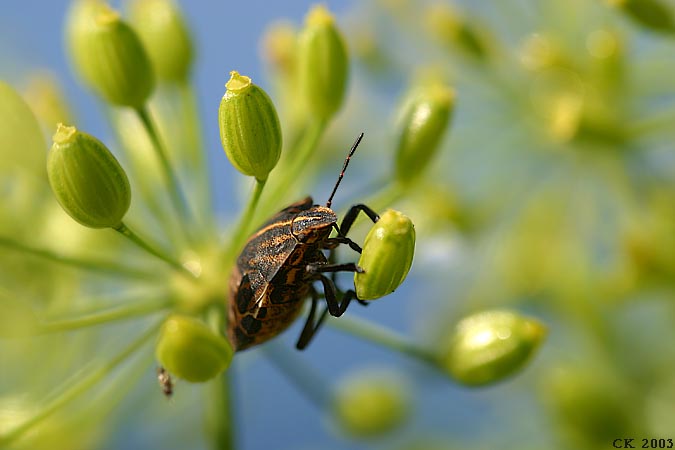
(553, 194)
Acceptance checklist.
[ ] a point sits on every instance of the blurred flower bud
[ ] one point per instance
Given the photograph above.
(249, 127)
(108, 54)
(46, 99)
(540, 51)
(279, 48)
(371, 403)
(190, 350)
(165, 36)
(323, 63)
(452, 29)
(423, 120)
(591, 406)
(486, 347)
(87, 180)
(387, 256)
(22, 145)
(607, 48)
(652, 14)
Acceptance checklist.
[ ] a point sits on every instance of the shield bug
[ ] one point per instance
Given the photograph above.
(280, 264)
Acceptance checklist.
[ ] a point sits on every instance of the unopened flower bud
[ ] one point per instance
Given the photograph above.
(423, 120)
(540, 51)
(45, 97)
(371, 403)
(165, 36)
(249, 127)
(87, 180)
(188, 349)
(279, 48)
(22, 145)
(108, 54)
(453, 29)
(590, 404)
(486, 347)
(387, 256)
(323, 64)
(652, 14)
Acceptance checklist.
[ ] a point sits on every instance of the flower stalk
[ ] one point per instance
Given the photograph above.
(382, 336)
(176, 195)
(152, 249)
(112, 268)
(292, 166)
(131, 309)
(240, 232)
(76, 386)
(219, 414)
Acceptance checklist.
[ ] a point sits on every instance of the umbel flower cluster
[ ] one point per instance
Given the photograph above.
(529, 178)
(196, 336)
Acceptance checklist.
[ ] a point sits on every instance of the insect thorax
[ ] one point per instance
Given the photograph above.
(314, 224)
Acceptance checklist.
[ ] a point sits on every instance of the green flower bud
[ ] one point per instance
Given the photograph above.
(46, 99)
(249, 127)
(108, 54)
(279, 48)
(450, 27)
(371, 403)
(22, 145)
(190, 350)
(486, 347)
(322, 63)
(591, 405)
(652, 14)
(87, 180)
(423, 121)
(165, 36)
(540, 51)
(387, 256)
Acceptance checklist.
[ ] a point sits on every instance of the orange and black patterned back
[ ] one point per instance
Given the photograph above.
(268, 284)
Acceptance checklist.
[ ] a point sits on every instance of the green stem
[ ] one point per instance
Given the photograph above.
(108, 267)
(382, 336)
(153, 201)
(119, 312)
(175, 192)
(220, 420)
(291, 167)
(307, 381)
(240, 232)
(385, 197)
(152, 249)
(75, 387)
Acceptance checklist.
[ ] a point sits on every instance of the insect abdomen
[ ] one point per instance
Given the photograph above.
(254, 322)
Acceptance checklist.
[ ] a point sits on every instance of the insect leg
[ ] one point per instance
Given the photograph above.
(311, 326)
(351, 215)
(333, 242)
(323, 268)
(335, 308)
(333, 269)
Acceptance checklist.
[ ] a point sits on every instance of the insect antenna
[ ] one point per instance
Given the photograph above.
(344, 167)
